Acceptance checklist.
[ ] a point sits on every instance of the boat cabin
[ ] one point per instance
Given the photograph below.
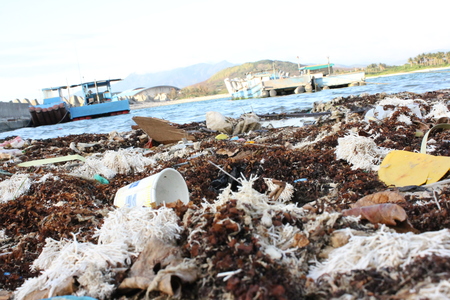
(97, 91)
(325, 69)
(53, 95)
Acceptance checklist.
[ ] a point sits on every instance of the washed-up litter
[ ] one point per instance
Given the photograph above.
(164, 187)
(383, 110)
(16, 142)
(9, 153)
(101, 179)
(222, 136)
(246, 123)
(161, 131)
(52, 160)
(5, 173)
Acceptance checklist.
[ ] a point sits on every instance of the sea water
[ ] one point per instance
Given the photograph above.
(182, 113)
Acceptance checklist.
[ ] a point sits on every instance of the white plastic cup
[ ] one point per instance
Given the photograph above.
(163, 187)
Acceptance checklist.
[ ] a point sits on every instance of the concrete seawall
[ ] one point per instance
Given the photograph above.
(10, 110)
(13, 116)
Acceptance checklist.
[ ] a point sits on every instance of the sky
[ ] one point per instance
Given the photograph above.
(49, 43)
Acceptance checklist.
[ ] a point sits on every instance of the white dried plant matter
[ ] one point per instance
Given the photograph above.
(177, 151)
(3, 236)
(383, 249)
(259, 202)
(108, 164)
(361, 152)
(275, 241)
(90, 263)
(396, 102)
(123, 235)
(46, 177)
(323, 220)
(429, 290)
(404, 119)
(134, 226)
(306, 142)
(14, 187)
(286, 194)
(438, 110)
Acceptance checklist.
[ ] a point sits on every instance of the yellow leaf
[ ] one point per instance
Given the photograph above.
(402, 168)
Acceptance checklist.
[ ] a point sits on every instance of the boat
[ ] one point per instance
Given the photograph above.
(273, 83)
(97, 101)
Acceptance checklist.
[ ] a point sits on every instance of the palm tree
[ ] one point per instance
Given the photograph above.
(410, 61)
(440, 57)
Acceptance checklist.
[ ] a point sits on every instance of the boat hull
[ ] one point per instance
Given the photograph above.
(100, 109)
(340, 80)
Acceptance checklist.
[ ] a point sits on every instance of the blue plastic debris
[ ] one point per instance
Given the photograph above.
(101, 179)
(70, 297)
(300, 180)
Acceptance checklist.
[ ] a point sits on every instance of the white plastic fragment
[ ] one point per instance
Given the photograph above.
(439, 110)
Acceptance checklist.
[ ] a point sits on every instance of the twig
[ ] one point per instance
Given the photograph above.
(14, 197)
(229, 274)
(223, 170)
(436, 200)
(435, 184)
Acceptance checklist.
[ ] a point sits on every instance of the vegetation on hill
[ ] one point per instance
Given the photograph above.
(215, 85)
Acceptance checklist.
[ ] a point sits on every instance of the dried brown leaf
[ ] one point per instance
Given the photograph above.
(300, 240)
(386, 213)
(379, 198)
(227, 152)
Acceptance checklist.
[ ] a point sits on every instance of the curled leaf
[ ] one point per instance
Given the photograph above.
(379, 198)
(386, 213)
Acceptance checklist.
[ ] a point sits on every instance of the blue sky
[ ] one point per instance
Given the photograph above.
(56, 42)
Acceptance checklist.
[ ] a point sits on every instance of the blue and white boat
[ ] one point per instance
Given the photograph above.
(97, 101)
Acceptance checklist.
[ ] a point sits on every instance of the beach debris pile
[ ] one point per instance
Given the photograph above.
(245, 123)
(286, 213)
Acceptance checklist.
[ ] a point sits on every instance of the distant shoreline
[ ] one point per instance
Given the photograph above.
(417, 71)
(141, 105)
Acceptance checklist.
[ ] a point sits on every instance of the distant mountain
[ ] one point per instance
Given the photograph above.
(180, 77)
